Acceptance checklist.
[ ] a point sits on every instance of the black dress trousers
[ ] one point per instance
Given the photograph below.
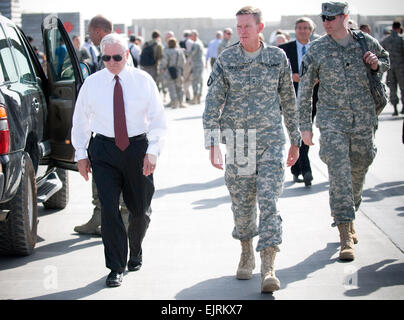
(117, 172)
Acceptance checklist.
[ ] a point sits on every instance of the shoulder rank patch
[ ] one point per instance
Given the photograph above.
(216, 72)
(305, 65)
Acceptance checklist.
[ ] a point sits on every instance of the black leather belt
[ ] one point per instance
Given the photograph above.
(131, 139)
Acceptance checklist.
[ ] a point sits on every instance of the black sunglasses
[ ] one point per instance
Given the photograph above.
(329, 18)
(116, 57)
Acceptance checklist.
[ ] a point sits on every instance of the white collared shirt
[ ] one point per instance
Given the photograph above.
(299, 51)
(144, 109)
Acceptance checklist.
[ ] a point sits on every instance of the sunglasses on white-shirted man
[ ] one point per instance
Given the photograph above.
(116, 57)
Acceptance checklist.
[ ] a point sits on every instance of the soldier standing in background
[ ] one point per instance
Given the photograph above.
(174, 57)
(151, 55)
(186, 45)
(346, 114)
(394, 44)
(196, 67)
(227, 34)
(249, 82)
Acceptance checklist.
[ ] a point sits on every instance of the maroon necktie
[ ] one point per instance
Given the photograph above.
(121, 133)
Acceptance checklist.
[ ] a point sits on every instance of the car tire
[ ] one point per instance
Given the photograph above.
(60, 199)
(18, 233)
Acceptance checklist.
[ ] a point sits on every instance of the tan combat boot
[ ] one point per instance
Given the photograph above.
(270, 282)
(353, 232)
(347, 243)
(198, 99)
(247, 260)
(92, 226)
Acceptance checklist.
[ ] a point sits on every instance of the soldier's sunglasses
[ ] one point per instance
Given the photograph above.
(116, 57)
(328, 18)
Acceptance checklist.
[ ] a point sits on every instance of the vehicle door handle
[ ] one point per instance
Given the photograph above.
(35, 104)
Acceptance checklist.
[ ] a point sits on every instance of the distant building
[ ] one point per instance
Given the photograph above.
(12, 10)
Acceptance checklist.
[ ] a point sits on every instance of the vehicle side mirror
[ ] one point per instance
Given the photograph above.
(85, 70)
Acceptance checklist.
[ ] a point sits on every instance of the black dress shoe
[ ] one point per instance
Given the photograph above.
(114, 279)
(307, 178)
(134, 264)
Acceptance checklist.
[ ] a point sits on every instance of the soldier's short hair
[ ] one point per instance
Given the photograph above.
(101, 22)
(172, 42)
(251, 10)
(155, 34)
(308, 20)
(396, 25)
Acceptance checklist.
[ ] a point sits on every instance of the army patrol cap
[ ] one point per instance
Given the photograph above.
(333, 9)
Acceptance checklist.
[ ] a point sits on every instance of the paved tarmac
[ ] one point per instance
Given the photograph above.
(189, 252)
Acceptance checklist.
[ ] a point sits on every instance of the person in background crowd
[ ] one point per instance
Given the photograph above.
(394, 44)
(213, 47)
(196, 55)
(365, 28)
(82, 53)
(174, 58)
(92, 49)
(227, 34)
(295, 50)
(150, 58)
(134, 50)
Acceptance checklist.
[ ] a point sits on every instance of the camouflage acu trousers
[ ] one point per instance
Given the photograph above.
(197, 80)
(264, 185)
(348, 157)
(175, 88)
(395, 77)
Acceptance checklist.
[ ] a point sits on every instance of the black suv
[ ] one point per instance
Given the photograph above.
(36, 109)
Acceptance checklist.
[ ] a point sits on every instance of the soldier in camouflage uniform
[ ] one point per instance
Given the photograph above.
(196, 67)
(249, 83)
(394, 44)
(227, 33)
(174, 57)
(346, 113)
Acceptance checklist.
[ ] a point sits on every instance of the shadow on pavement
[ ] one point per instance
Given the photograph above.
(210, 203)
(47, 251)
(75, 294)
(228, 287)
(401, 214)
(189, 187)
(384, 190)
(370, 278)
(303, 191)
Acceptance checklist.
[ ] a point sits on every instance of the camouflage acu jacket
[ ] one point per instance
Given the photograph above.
(253, 93)
(394, 44)
(344, 98)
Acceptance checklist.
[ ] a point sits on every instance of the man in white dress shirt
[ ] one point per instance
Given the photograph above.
(121, 105)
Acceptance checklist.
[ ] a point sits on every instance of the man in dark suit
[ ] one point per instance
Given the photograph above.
(295, 50)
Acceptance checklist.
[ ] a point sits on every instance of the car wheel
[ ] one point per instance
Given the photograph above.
(60, 199)
(18, 234)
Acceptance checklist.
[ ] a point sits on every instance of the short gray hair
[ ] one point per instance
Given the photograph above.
(113, 38)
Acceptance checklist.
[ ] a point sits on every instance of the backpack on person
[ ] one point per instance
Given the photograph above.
(377, 87)
(173, 71)
(147, 56)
